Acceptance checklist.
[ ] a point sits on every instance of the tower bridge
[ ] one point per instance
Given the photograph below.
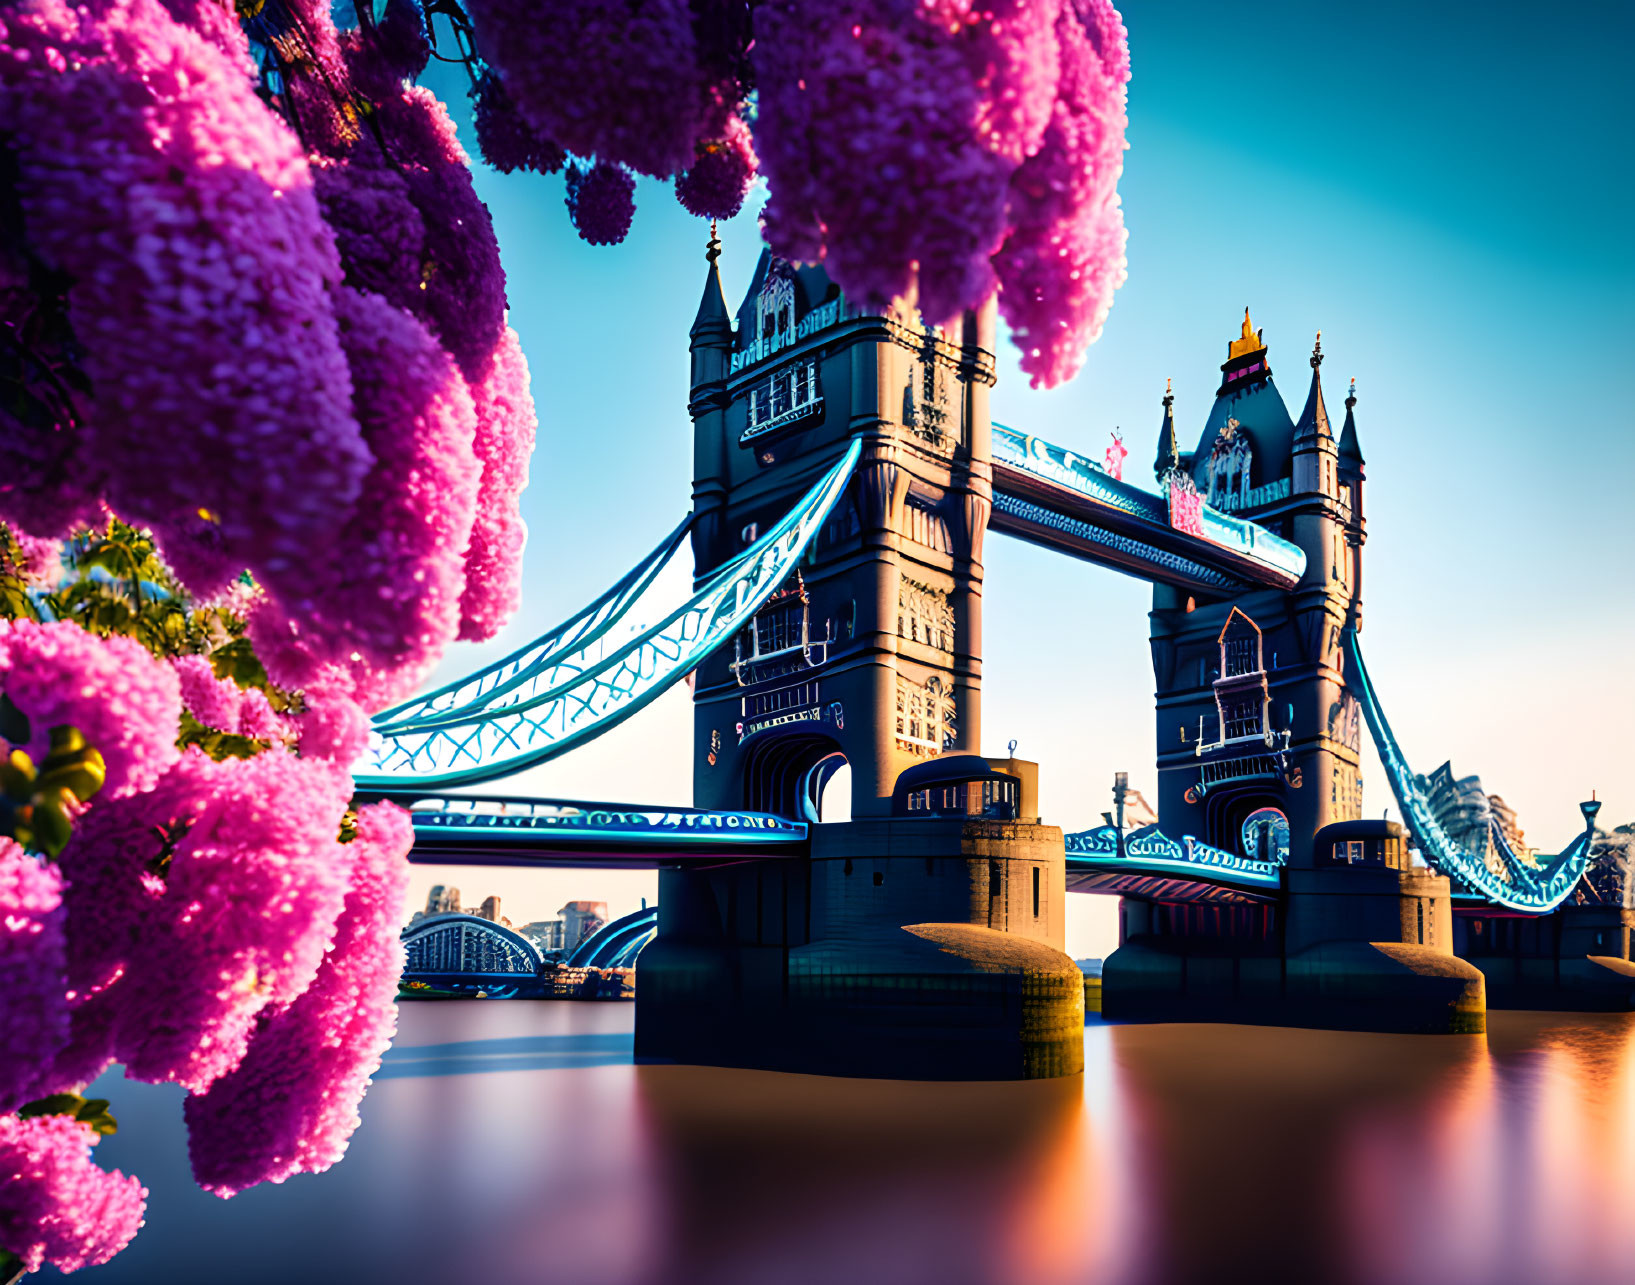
(846, 474)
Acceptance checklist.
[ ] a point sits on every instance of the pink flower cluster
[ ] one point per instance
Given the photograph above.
(224, 706)
(291, 1104)
(602, 202)
(238, 407)
(56, 1206)
(505, 441)
(182, 210)
(205, 925)
(616, 81)
(928, 150)
(40, 560)
(126, 703)
(719, 179)
(508, 142)
(358, 619)
(945, 148)
(33, 1019)
(1064, 257)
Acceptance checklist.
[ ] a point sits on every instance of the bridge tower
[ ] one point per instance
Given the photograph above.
(923, 936)
(1252, 710)
(1259, 747)
(872, 655)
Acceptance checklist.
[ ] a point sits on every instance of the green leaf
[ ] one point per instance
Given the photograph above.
(51, 827)
(11, 1267)
(237, 661)
(52, 1104)
(13, 722)
(89, 1111)
(95, 1113)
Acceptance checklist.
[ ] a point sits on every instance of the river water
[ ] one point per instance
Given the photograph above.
(515, 1142)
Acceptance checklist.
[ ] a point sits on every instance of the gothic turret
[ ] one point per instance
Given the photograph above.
(711, 335)
(1169, 454)
(710, 342)
(1351, 456)
(1315, 457)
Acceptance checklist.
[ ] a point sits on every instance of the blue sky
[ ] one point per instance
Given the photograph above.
(1444, 190)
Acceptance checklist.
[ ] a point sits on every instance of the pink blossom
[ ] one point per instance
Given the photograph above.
(504, 442)
(33, 1013)
(259, 721)
(113, 893)
(617, 81)
(213, 701)
(872, 139)
(385, 602)
(292, 1104)
(463, 284)
(379, 233)
(1065, 258)
(41, 560)
(334, 727)
(224, 706)
(56, 1206)
(601, 202)
(125, 702)
(182, 210)
(508, 142)
(720, 177)
(247, 908)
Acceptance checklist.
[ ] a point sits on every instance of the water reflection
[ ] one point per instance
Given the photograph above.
(515, 1142)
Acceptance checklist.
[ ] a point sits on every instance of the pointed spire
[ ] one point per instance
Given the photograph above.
(1169, 454)
(1313, 424)
(713, 324)
(1350, 453)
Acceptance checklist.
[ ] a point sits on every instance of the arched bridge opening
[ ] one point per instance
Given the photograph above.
(788, 774)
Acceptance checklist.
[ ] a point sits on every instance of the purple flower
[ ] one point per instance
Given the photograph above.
(246, 909)
(616, 81)
(125, 702)
(601, 202)
(56, 1206)
(715, 186)
(33, 1012)
(508, 142)
(292, 1104)
(505, 441)
(182, 211)
(384, 603)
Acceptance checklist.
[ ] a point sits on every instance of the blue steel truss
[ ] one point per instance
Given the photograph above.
(461, 943)
(524, 822)
(1039, 515)
(1150, 851)
(580, 641)
(1517, 881)
(546, 713)
(1062, 467)
(617, 944)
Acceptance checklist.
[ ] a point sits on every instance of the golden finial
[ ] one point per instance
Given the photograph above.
(1249, 341)
(1317, 351)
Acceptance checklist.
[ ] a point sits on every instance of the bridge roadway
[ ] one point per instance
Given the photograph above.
(1051, 496)
(458, 829)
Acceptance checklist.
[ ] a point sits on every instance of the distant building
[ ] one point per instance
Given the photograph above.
(580, 919)
(1131, 811)
(544, 933)
(491, 909)
(442, 900)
